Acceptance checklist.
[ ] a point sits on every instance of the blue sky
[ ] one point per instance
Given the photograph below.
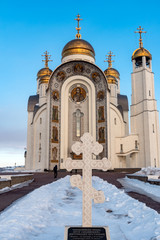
(28, 28)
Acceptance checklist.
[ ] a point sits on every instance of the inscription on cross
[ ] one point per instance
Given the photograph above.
(87, 147)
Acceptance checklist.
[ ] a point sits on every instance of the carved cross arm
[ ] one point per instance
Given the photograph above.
(103, 164)
(98, 196)
(73, 164)
(76, 181)
(96, 148)
(77, 148)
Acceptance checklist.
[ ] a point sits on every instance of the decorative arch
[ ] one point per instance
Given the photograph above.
(78, 79)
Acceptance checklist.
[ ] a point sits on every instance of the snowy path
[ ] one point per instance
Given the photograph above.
(43, 213)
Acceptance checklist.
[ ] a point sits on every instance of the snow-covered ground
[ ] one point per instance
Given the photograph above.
(43, 214)
(149, 171)
(152, 191)
(19, 185)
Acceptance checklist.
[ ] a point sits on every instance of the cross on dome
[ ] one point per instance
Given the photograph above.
(47, 58)
(109, 59)
(140, 31)
(78, 35)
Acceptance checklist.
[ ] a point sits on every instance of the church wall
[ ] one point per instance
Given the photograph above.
(54, 116)
(39, 144)
(138, 127)
(113, 93)
(145, 125)
(102, 122)
(78, 57)
(38, 86)
(149, 87)
(29, 157)
(126, 121)
(137, 96)
(109, 125)
(129, 143)
(118, 86)
(153, 139)
(42, 99)
(117, 129)
(142, 90)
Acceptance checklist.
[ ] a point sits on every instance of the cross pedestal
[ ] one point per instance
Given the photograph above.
(87, 147)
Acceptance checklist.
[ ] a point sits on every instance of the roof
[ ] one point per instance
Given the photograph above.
(32, 101)
(78, 46)
(140, 52)
(123, 102)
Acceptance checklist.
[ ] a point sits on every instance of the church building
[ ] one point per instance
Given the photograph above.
(78, 97)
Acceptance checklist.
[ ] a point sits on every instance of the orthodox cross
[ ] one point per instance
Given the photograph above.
(140, 31)
(109, 59)
(87, 147)
(78, 35)
(47, 58)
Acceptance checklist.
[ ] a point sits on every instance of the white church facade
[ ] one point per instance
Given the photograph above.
(79, 97)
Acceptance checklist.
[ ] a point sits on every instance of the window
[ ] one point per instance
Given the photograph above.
(40, 120)
(155, 162)
(149, 93)
(136, 144)
(115, 121)
(153, 127)
(121, 147)
(147, 62)
(40, 136)
(138, 62)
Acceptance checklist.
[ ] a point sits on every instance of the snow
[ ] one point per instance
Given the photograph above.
(8, 177)
(19, 185)
(134, 185)
(45, 212)
(149, 171)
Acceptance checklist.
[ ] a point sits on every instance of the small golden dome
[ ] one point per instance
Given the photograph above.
(43, 72)
(141, 52)
(111, 79)
(78, 46)
(111, 72)
(44, 79)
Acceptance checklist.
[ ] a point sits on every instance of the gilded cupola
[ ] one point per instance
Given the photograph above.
(44, 71)
(141, 51)
(111, 73)
(78, 48)
(44, 74)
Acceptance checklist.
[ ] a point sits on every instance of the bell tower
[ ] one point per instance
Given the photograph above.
(144, 114)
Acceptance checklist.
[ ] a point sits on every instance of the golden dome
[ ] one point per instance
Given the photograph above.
(111, 79)
(141, 52)
(43, 72)
(44, 79)
(78, 46)
(111, 72)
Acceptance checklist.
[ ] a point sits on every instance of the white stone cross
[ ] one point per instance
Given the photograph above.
(87, 147)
